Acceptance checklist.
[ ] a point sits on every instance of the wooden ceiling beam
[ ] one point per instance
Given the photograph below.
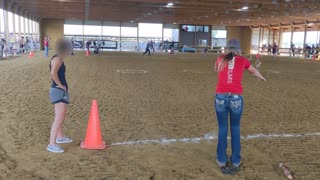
(186, 11)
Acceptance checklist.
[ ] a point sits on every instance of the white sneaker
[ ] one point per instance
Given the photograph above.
(64, 140)
(220, 164)
(236, 165)
(55, 149)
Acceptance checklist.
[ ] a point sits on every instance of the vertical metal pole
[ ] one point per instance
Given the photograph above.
(24, 26)
(210, 35)
(27, 25)
(120, 45)
(84, 44)
(37, 27)
(305, 34)
(29, 29)
(280, 38)
(291, 39)
(1, 21)
(195, 36)
(162, 33)
(6, 24)
(269, 36)
(13, 24)
(31, 23)
(318, 35)
(0, 26)
(26, 33)
(262, 35)
(259, 42)
(138, 35)
(19, 23)
(101, 30)
(305, 39)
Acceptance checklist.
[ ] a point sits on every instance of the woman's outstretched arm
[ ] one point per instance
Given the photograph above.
(256, 73)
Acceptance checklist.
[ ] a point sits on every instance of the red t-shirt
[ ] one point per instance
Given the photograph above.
(230, 77)
(46, 43)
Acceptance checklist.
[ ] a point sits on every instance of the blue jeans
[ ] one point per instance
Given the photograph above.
(46, 51)
(226, 105)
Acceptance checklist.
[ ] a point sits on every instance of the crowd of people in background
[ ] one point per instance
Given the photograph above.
(165, 46)
(15, 46)
(96, 45)
(308, 51)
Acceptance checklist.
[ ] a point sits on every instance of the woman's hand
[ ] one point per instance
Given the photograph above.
(256, 73)
(62, 87)
(263, 79)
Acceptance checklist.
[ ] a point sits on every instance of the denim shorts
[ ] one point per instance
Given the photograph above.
(58, 95)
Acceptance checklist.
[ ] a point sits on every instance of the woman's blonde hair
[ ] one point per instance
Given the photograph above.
(232, 50)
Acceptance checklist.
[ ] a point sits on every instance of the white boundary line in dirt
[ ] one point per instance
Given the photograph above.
(273, 71)
(195, 72)
(210, 137)
(131, 71)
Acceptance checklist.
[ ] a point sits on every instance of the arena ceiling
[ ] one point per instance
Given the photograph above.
(207, 12)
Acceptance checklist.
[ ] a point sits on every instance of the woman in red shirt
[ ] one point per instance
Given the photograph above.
(230, 68)
(46, 46)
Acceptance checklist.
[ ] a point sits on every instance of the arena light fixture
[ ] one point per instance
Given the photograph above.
(245, 8)
(170, 4)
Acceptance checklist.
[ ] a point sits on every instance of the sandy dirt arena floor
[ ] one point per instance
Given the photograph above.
(170, 97)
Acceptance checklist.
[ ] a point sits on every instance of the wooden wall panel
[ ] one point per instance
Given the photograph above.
(54, 29)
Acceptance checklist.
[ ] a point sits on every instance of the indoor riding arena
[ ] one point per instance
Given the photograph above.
(143, 86)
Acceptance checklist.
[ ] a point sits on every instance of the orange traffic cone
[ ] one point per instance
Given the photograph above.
(87, 53)
(31, 54)
(93, 137)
